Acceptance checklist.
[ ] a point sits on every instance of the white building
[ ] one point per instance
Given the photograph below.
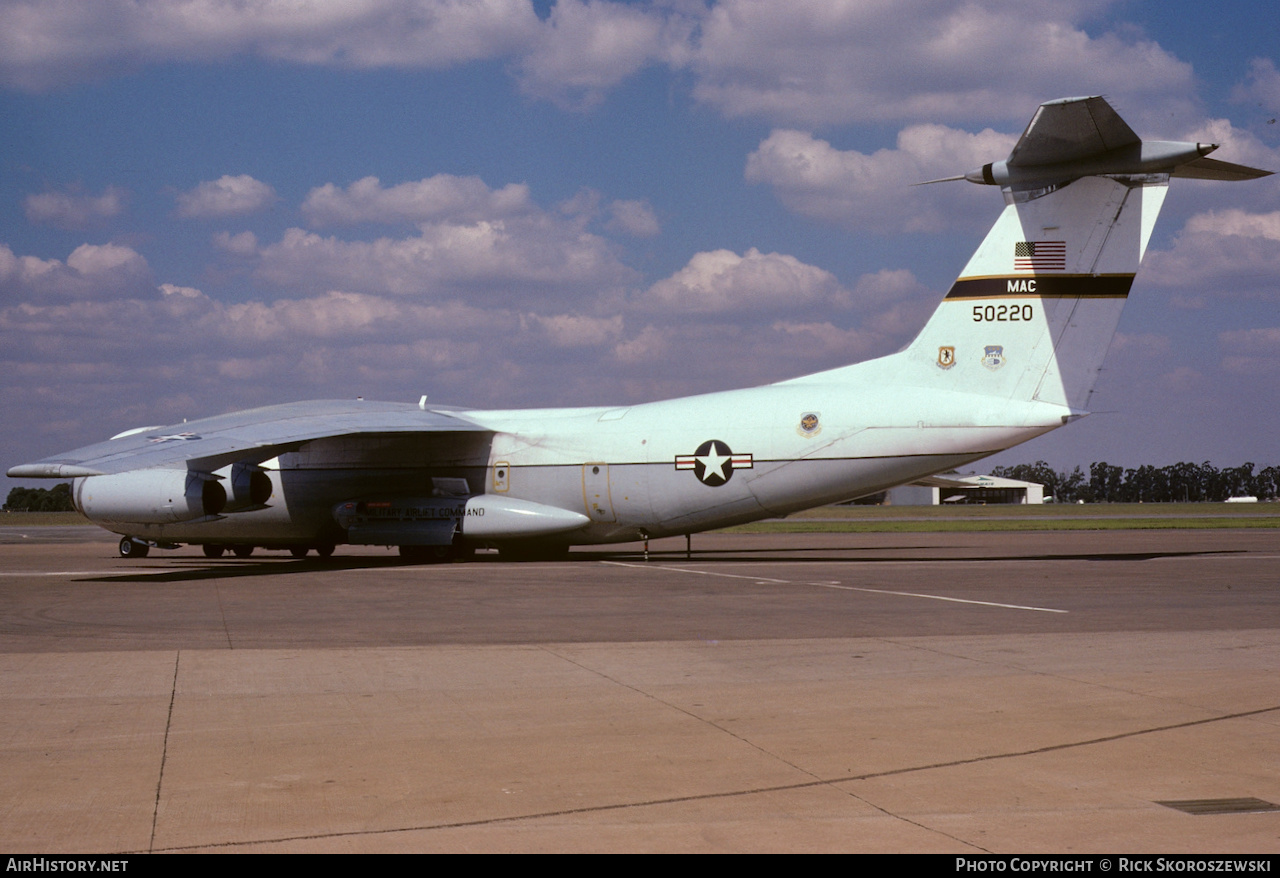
(936, 490)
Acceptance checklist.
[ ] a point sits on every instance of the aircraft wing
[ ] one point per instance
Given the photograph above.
(254, 435)
(1066, 129)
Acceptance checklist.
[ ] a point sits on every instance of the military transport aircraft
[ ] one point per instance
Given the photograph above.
(1011, 352)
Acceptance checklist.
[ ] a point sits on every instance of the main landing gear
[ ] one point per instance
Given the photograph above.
(131, 548)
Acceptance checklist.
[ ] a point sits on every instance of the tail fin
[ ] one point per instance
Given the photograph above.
(1033, 313)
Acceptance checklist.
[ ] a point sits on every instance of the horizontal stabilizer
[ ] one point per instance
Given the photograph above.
(1069, 129)
(1212, 169)
(1072, 138)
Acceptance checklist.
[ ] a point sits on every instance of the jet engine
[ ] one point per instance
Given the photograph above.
(154, 496)
(248, 487)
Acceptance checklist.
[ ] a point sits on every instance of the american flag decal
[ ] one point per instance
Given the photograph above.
(1040, 256)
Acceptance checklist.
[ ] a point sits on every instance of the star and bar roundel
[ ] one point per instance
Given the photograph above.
(713, 463)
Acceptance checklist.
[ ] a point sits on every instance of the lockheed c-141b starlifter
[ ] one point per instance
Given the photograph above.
(1011, 352)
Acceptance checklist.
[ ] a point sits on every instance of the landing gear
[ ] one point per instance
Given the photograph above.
(325, 550)
(211, 551)
(299, 551)
(242, 551)
(130, 548)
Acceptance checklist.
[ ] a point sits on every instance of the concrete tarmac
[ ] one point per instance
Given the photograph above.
(966, 693)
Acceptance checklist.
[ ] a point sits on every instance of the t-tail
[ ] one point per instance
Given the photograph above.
(1033, 313)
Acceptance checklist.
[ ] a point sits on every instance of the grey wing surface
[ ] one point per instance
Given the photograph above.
(250, 436)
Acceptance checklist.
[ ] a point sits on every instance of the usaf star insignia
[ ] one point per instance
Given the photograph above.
(713, 463)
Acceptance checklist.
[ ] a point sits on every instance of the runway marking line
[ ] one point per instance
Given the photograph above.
(58, 572)
(833, 585)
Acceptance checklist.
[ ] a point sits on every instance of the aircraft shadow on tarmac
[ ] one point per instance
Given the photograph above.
(187, 569)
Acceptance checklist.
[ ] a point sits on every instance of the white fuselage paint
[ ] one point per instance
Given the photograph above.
(617, 465)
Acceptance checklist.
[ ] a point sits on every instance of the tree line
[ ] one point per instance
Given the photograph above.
(55, 499)
(1176, 483)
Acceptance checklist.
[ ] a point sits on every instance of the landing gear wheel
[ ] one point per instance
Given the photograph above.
(242, 551)
(325, 550)
(129, 548)
(212, 551)
(299, 551)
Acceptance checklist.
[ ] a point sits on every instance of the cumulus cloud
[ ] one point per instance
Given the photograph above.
(525, 258)
(634, 218)
(575, 330)
(242, 244)
(69, 210)
(680, 358)
(1236, 222)
(893, 304)
(1251, 352)
(443, 196)
(722, 281)
(52, 42)
(809, 62)
(92, 271)
(1261, 86)
(585, 48)
(226, 196)
(167, 290)
(813, 62)
(1230, 252)
(875, 192)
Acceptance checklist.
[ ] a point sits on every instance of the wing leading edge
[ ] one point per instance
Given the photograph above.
(243, 437)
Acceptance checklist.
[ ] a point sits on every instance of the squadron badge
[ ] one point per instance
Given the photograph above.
(713, 463)
(809, 425)
(993, 356)
(946, 356)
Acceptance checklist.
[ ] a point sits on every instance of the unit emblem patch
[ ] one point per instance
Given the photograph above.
(993, 356)
(713, 463)
(946, 356)
(809, 425)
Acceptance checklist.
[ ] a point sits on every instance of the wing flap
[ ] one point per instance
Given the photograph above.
(249, 436)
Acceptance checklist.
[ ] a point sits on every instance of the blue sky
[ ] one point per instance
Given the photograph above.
(208, 205)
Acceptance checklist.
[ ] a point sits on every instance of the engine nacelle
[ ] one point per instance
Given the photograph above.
(434, 520)
(247, 485)
(150, 496)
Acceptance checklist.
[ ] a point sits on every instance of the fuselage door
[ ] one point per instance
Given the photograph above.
(595, 493)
